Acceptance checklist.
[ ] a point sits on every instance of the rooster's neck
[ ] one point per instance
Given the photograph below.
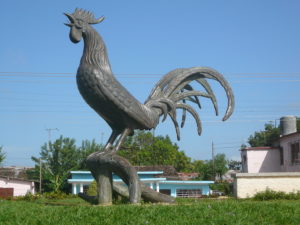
(94, 52)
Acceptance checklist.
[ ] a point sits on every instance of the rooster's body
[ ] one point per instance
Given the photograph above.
(117, 106)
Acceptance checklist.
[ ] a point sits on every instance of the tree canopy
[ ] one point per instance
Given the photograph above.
(144, 149)
(58, 159)
(211, 169)
(267, 136)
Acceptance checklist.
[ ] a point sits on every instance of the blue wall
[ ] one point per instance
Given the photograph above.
(83, 176)
(173, 187)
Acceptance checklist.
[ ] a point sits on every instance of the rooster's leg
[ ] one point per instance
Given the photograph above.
(111, 139)
(122, 138)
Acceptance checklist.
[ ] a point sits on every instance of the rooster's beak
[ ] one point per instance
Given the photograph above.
(67, 24)
(70, 17)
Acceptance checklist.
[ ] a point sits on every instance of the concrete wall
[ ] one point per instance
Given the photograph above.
(248, 184)
(261, 160)
(21, 188)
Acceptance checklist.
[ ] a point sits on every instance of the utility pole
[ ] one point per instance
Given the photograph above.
(213, 159)
(40, 175)
(49, 130)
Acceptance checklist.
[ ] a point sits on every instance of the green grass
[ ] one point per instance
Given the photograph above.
(207, 211)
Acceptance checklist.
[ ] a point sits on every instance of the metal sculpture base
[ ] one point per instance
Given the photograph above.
(103, 164)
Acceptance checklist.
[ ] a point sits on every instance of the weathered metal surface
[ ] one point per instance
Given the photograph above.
(124, 113)
(288, 125)
(102, 164)
(147, 194)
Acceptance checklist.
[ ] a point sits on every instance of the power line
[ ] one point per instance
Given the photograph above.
(152, 74)
(150, 82)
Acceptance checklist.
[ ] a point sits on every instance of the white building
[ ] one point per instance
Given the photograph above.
(276, 168)
(283, 157)
(15, 187)
(260, 160)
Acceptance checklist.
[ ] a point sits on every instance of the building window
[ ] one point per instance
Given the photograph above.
(281, 156)
(188, 193)
(295, 153)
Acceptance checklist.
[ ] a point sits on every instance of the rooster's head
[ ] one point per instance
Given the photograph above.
(79, 23)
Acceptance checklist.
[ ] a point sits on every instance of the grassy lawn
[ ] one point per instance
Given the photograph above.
(75, 211)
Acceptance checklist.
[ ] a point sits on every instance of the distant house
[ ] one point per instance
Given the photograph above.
(80, 181)
(15, 187)
(283, 156)
(14, 182)
(276, 167)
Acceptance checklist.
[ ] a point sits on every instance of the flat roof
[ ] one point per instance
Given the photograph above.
(117, 180)
(15, 179)
(259, 148)
(271, 174)
(145, 179)
(188, 182)
(80, 180)
(289, 135)
(138, 172)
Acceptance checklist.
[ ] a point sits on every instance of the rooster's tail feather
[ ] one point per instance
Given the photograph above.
(174, 90)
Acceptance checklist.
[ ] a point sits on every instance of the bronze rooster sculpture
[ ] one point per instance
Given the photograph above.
(124, 113)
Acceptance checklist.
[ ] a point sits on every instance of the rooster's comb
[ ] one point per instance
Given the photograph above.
(86, 16)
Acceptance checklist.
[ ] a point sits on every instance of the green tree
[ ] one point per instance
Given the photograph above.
(267, 136)
(200, 166)
(2, 155)
(221, 165)
(211, 169)
(58, 159)
(145, 149)
(234, 165)
(87, 147)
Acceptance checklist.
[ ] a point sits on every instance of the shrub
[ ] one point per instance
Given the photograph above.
(92, 190)
(269, 194)
(47, 195)
(28, 197)
(56, 195)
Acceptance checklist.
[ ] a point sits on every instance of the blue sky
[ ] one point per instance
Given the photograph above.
(255, 44)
